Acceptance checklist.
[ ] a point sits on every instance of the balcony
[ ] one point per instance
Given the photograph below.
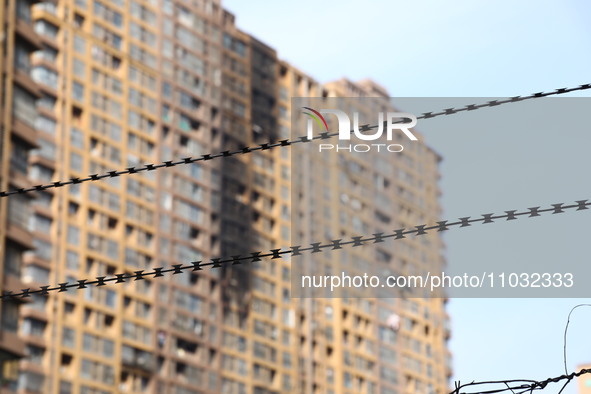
(23, 78)
(11, 343)
(46, 78)
(135, 358)
(24, 111)
(9, 372)
(25, 30)
(47, 32)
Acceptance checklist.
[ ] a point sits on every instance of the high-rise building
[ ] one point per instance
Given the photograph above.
(117, 84)
(343, 195)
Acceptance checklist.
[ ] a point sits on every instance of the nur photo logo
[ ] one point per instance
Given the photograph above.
(388, 122)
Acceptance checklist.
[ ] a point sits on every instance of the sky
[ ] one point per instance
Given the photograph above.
(473, 49)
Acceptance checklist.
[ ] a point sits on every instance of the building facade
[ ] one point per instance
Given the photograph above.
(342, 195)
(95, 85)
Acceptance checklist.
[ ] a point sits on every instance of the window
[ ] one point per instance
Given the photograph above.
(97, 345)
(75, 162)
(72, 260)
(38, 302)
(141, 12)
(73, 235)
(47, 102)
(142, 56)
(387, 335)
(45, 28)
(189, 60)
(387, 355)
(41, 224)
(137, 332)
(41, 173)
(105, 58)
(107, 36)
(141, 34)
(286, 359)
(45, 76)
(43, 200)
(105, 127)
(188, 102)
(34, 354)
(142, 78)
(24, 106)
(106, 81)
(188, 301)
(106, 104)
(166, 90)
(141, 100)
(388, 375)
(76, 138)
(33, 327)
(167, 7)
(234, 45)
(77, 91)
(23, 10)
(189, 81)
(188, 39)
(65, 387)
(21, 58)
(42, 249)
(79, 68)
(47, 54)
(189, 211)
(45, 124)
(140, 122)
(79, 44)
(31, 381)
(348, 380)
(97, 371)
(102, 295)
(108, 14)
(19, 157)
(10, 315)
(186, 253)
(19, 211)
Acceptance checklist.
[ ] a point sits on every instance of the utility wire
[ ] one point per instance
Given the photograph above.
(566, 332)
(315, 247)
(522, 386)
(517, 386)
(271, 144)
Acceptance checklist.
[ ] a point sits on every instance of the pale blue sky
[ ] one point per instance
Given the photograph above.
(459, 49)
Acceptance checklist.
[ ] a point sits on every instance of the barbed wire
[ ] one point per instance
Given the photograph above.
(518, 386)
(531, 385)
(526, 385)
(275, 144)
(296, 250)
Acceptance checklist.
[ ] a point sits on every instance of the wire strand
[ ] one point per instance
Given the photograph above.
(512, 385)
(566, 331)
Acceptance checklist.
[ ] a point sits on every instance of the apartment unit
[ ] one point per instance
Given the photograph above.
(95, 85)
